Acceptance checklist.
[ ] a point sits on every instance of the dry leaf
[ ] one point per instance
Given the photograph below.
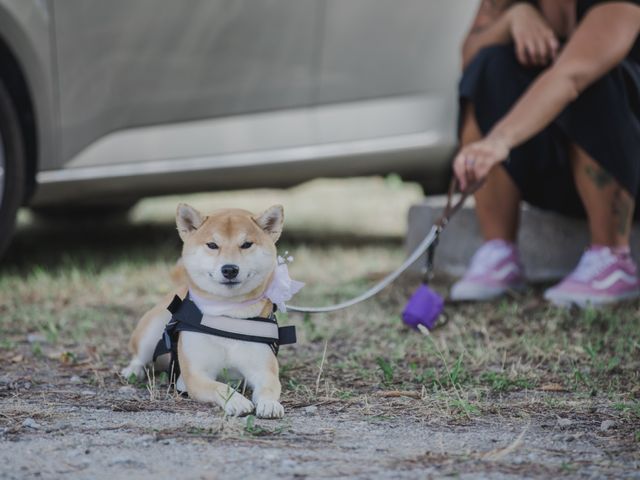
(68, 358)
(399, 393)
(552, 387)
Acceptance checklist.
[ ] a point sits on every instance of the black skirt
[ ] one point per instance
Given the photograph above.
(604, 121)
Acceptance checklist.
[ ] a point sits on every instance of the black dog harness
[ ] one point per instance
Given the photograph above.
(187, 317)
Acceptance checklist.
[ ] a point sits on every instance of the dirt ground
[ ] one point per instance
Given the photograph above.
(513, 389)
(62, 427)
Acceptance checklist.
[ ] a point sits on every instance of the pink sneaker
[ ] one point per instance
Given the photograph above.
(602, 276)
(494, 270)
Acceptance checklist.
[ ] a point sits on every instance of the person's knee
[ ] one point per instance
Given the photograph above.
(488, 82)
(496, 61)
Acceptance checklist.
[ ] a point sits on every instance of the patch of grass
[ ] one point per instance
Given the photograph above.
(137, 382)
(36, 349)
(200, 431)
(457, 374)
(346, 394)
(310, 329)
(255, 430)
(387, 369)
(500, 382)
(632, 409)
(463, 407)
(91, 284)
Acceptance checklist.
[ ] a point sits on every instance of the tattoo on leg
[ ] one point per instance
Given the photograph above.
(600, 177)
(622, 209)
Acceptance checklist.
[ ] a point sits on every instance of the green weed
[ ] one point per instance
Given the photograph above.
(502, 383)
(255, 430)
(387, 370)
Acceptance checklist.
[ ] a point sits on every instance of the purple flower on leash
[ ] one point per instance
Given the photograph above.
(423, 308)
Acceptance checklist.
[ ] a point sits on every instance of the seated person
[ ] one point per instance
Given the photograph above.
(550, 114)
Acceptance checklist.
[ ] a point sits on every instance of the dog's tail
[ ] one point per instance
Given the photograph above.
(179, 274)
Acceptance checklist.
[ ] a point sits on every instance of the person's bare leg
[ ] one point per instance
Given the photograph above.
(497, 207)
(609, 206)
(498, 200)
(610, 275)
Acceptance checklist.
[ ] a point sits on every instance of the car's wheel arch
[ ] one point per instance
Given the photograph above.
(15, 82)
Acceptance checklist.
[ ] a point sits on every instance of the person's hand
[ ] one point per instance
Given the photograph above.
(474, 161)
(535, 42)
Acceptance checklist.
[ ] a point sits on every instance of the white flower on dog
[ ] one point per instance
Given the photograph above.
(282, 287)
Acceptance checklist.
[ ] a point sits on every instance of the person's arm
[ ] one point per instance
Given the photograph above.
(502, 21)
(602, 40)
(490, 26)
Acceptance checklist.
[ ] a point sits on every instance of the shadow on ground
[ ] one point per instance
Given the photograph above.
(51, 246)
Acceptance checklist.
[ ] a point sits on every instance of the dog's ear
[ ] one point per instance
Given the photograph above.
(271, 221)
(188, 220)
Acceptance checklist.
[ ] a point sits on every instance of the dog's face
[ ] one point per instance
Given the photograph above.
(230, 253)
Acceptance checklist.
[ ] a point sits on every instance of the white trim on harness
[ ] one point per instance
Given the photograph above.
(241, 326)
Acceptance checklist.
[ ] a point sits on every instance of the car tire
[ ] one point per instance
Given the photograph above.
(12, 167)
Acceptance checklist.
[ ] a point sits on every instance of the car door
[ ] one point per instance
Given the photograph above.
(393, 66)
(128, 65)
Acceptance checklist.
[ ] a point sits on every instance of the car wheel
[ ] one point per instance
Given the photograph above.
(12, 167)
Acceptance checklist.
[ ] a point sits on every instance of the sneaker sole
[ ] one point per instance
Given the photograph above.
(584, 300)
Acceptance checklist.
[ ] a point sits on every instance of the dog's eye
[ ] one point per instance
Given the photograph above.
(212, 245)
(246, 245)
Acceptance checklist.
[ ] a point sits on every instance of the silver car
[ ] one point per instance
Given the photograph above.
(104, 102)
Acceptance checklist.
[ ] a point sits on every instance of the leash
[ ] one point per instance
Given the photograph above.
(428, 244)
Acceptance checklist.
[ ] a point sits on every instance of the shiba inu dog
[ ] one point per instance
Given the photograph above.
(229, 266)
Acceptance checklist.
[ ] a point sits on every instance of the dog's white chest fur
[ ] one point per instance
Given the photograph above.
(225, 358)
(218, 357)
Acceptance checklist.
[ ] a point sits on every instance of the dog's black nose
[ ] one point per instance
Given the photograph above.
(230, 271)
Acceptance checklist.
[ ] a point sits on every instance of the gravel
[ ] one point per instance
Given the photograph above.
(310, 442)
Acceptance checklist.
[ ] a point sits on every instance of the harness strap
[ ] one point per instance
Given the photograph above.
(187, 317)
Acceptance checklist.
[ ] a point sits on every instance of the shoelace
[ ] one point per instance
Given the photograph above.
(487, 257)
(592, 263)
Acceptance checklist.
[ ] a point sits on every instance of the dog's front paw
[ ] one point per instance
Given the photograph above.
(237, 406)
(269, 409)
(134, 368)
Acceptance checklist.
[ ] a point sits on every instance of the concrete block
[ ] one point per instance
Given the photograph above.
(550, 244)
